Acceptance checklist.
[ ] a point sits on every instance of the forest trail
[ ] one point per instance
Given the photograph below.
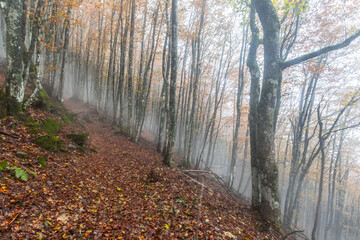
(117, 190)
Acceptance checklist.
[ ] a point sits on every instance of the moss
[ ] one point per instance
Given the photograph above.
(35, 126)
(66, 120)
(2, 104)
(81, 149)
(56, 108)
(11, 107)
(79, 138)
(42, 160)
(34, 131)
(45, 103)
(32, 123)
(71, 116)
(52, 144)
(51, 126)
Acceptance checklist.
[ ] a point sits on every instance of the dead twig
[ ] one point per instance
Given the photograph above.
(8, 134)
(11, 124)
(197, 182)
(218, 179)
(291, 233)
(15, 217)
(196, 171)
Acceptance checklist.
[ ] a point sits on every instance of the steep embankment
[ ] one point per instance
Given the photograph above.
(115, 189)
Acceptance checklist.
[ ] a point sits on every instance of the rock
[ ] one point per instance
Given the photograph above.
(79, 138)
(71, 146)
(20, 154)
(52, 144)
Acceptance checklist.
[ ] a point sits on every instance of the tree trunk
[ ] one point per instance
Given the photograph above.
(239, 96)
(322, 169)
(197, 70)
(130, 70)
(64, 54)
(172, 108)
(15, 50)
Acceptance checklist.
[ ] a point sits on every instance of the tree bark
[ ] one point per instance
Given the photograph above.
(130, 70)
(239, 96)
(15, 50)
(64, 54)
(172, 108)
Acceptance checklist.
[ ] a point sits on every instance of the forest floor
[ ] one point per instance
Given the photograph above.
(115, 189)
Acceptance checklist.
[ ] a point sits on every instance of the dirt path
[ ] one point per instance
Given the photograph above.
(119, 190)
(169, 206)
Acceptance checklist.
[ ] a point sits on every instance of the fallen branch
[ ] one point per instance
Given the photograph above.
(197, 171)
(197, 182)
(8, 134)
(218, 179)
(223, 184)
(11, 124)
(15, 217)
(291, 233)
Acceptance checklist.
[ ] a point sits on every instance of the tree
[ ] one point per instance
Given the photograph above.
(64, 52)
(264, 105)
(130, 70)
(15, 49)
(172, 97)
(19, 56)
(239, 97)
(196, 65)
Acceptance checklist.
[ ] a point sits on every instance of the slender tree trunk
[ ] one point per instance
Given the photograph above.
(64, 54)
(197, 71)
(246, 146)
(174, 60)
(130, 70)
(239, 96)
(124, 34)
(322, 169)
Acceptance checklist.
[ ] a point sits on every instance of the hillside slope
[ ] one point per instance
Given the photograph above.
(115, 189)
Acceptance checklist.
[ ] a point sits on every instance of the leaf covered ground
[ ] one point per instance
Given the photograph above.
(115, 189)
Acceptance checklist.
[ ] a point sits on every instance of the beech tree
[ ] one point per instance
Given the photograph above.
(19, 56)
(172, 96)
(14, 14)
(265, 102)
(115, 63)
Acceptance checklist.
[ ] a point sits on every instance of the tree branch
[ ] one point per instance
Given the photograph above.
(8, 134)
(321, 51)
(293, 232)
(345, 128)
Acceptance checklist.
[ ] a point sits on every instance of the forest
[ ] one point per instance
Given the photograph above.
(260, 96)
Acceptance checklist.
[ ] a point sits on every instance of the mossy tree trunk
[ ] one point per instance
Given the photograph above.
(15, 49)
(264, 105)
(64, 53)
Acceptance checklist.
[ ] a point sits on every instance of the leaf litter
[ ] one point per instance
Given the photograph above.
(116, 189)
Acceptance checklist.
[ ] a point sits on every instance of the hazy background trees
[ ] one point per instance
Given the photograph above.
(119, 56)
